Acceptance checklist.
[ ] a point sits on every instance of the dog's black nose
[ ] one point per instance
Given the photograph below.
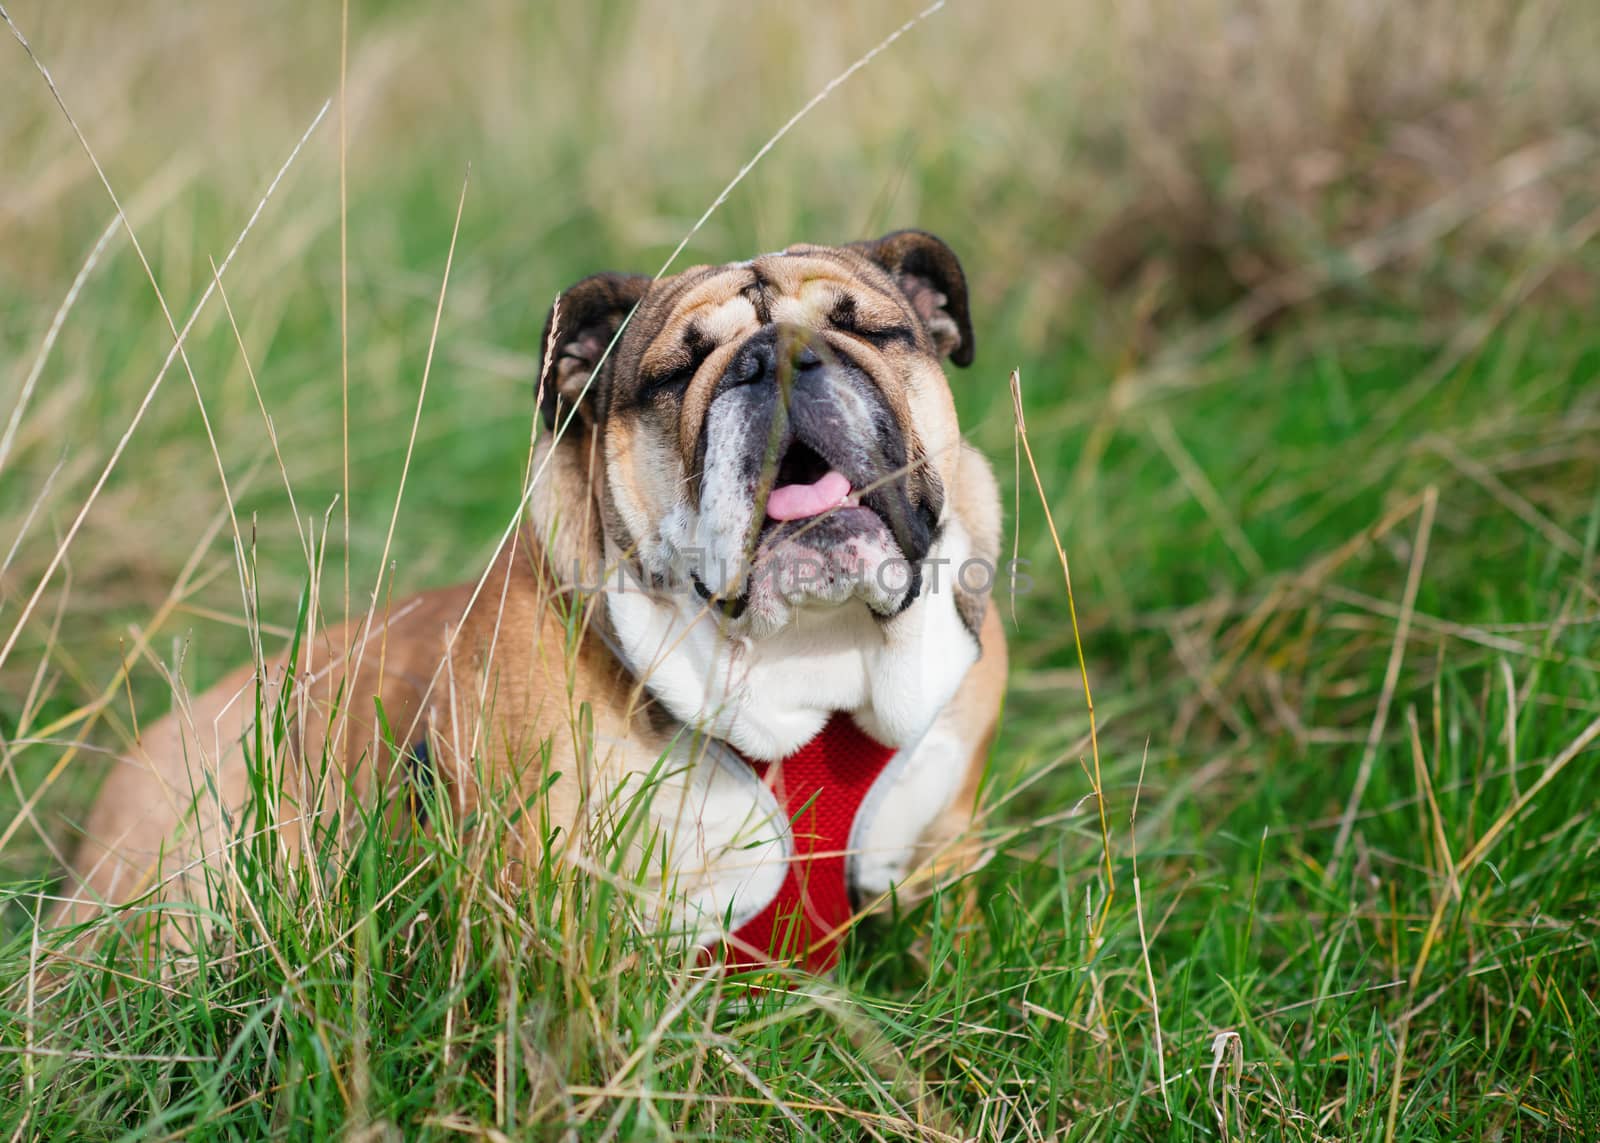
(758, 360)
(754, 362)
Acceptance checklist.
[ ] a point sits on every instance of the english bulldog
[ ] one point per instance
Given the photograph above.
(751, 595)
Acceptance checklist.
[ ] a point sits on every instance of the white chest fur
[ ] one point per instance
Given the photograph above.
(770, 696)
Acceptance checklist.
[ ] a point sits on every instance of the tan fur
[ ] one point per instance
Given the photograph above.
(492, 681)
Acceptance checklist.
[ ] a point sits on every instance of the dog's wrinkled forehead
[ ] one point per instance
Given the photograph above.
(900, 300)
(812, 287)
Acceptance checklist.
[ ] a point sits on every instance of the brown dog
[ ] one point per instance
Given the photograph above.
(755, 533)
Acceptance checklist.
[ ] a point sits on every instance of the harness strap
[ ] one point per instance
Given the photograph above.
(821, 788)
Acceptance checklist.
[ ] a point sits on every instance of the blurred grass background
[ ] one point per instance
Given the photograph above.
(1302, 300)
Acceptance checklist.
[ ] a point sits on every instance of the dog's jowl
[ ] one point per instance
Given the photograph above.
(734, 597)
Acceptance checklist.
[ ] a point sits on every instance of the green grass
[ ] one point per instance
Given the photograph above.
(1360, 537)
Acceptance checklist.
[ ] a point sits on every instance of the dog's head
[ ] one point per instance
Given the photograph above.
(770, 435)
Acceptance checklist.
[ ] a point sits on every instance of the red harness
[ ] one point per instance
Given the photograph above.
(821, 788)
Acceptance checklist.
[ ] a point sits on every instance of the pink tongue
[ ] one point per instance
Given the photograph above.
(799, 501)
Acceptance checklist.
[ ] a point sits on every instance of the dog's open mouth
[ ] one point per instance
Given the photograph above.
(807, 486)
(815, 505)
(817, 533)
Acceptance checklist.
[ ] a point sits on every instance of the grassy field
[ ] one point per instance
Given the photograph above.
(1301, 298)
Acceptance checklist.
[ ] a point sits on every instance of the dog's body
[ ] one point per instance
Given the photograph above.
(762, 467)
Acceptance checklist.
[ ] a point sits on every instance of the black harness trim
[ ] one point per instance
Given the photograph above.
(422, 780)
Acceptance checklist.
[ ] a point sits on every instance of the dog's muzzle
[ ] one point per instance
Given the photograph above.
(806, 479)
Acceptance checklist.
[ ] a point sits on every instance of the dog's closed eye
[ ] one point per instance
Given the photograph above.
(846, 319)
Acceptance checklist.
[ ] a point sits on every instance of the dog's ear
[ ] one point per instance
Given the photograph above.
(929, 273)
(576, 335)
